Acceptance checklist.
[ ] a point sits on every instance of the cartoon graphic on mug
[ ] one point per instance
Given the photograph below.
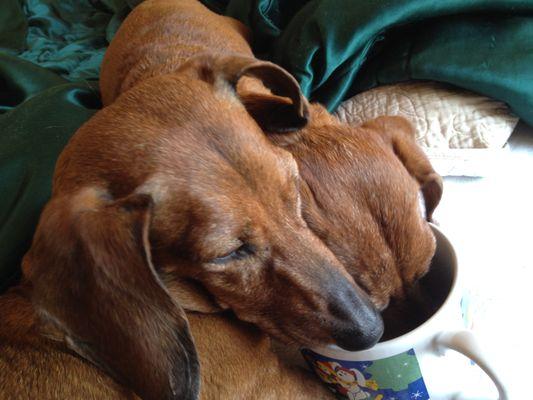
(400, 377)
(325, 371)
(351, 380)
(342, 380)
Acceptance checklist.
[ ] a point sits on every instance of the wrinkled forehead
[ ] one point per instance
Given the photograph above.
(346, 173)
(227, 153)
(207, 125)
(363, 188)
(211, 148)
(241, 178)
(224, 190)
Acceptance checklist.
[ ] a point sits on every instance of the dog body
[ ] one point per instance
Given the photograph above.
(34, 366)
(159, 37)
(236, 358)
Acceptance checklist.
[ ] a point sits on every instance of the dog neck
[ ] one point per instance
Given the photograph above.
(191, 295)
(165, 44)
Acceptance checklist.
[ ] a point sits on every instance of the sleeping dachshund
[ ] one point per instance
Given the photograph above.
(179, 218)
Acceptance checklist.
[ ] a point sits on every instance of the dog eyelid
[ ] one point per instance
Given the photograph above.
(243, 251)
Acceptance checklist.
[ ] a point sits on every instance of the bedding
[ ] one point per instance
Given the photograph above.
(50, 52)
(338, 48)
(462, 133)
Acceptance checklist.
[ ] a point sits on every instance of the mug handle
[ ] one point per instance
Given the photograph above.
(464, 342)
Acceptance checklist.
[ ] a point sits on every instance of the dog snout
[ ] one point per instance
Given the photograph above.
(358, 324)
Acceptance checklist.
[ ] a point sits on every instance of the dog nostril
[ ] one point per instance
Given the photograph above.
(358, 324)
(354, 339)
(356, 328)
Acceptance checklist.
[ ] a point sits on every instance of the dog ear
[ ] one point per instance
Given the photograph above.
(273, 98)
(274, 114)
(94, 282)
(401, 135)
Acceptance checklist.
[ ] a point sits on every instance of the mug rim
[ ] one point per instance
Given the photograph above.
(406, 340)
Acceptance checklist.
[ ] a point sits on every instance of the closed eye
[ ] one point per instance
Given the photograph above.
(239, 253)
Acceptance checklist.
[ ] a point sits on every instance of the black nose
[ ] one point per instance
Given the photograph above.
(357, 323)
(360, 338)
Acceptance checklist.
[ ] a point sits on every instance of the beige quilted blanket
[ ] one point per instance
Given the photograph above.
(461, 132)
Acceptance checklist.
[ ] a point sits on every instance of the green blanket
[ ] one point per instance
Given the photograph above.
(337, 48)
(43, 102)
(50, 52)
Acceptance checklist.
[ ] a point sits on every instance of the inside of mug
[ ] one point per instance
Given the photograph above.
(426, 298)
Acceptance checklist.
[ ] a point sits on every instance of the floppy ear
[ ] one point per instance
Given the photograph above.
(94, 282)
(401, 135)
(275, 102)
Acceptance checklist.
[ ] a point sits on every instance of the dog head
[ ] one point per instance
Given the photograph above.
(229, 221)
(225, 231)
(361, 198)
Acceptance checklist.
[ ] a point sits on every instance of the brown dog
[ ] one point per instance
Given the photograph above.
(359, 191)
(109, 271)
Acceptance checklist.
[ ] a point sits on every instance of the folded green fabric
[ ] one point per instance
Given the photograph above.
(488, 54)
(31, 137)
(40, 108)
(68, 37)
(337, 48)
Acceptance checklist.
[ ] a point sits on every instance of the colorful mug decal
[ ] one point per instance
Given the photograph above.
(393, 378)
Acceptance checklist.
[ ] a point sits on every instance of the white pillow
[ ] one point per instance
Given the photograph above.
(461, 132)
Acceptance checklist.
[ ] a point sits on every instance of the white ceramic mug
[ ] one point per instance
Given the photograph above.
(412, 366)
